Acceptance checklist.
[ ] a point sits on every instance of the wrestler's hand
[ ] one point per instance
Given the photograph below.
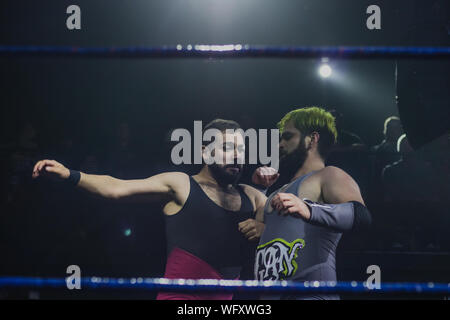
(287, 203)
(251, 228)
(50, 169)
(265, 176)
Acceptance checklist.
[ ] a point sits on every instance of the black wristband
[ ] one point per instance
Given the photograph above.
(74, 178)
(363, 217)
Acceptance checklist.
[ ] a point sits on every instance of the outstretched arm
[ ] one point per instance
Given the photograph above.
(165, 186)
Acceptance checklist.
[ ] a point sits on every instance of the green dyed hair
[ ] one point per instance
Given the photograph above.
(308, 120)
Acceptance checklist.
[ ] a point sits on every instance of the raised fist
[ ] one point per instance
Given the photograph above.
(265, 176)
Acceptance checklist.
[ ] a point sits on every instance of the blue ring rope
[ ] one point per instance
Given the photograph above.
(229, 51)
(163, 284)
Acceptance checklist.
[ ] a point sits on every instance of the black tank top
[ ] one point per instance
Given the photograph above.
(210, 232)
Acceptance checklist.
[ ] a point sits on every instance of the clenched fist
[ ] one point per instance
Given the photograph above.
(265, 176)
(251, 228)
(51, 169)
(287, 203)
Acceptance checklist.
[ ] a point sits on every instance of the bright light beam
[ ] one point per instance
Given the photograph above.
(325, 70)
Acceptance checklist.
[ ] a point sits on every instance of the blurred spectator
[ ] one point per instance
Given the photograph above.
(386, 151)
(409, 179)
(383, 154)
(413, 191)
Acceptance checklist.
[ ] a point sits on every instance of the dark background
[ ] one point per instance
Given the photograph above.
(77, 107)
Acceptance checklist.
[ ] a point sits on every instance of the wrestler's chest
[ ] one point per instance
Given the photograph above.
(228, 200)
(310, 189)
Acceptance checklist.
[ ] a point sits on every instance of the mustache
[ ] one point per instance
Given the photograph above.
(234, 165)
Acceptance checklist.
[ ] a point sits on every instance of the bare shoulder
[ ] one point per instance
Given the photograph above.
(176, 176)
(174, 181)
(251, 191)
(179, 187)
(338, 186)
(334, 173)
(257, 197)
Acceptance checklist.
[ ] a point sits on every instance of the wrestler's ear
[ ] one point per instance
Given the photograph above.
(207, 154)
(315, 137)
(204, 156)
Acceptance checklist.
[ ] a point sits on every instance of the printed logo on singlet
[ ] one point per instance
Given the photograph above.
(275, 260)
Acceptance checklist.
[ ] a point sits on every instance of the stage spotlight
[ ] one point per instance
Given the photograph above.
(325, 70)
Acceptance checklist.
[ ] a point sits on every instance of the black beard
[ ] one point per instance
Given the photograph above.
(223, 177)
(290, 163)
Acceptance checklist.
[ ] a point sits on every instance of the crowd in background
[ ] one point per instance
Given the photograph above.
(47, 226)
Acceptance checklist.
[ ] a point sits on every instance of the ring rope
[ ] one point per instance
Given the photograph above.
(155, 284)
(229, 51)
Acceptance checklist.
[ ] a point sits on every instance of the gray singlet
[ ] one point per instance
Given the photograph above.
(292, 249)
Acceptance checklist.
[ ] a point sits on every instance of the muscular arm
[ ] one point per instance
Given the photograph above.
(253, 228)
(343, 208)
(260, 204)
(338, 187)
(162, 187)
